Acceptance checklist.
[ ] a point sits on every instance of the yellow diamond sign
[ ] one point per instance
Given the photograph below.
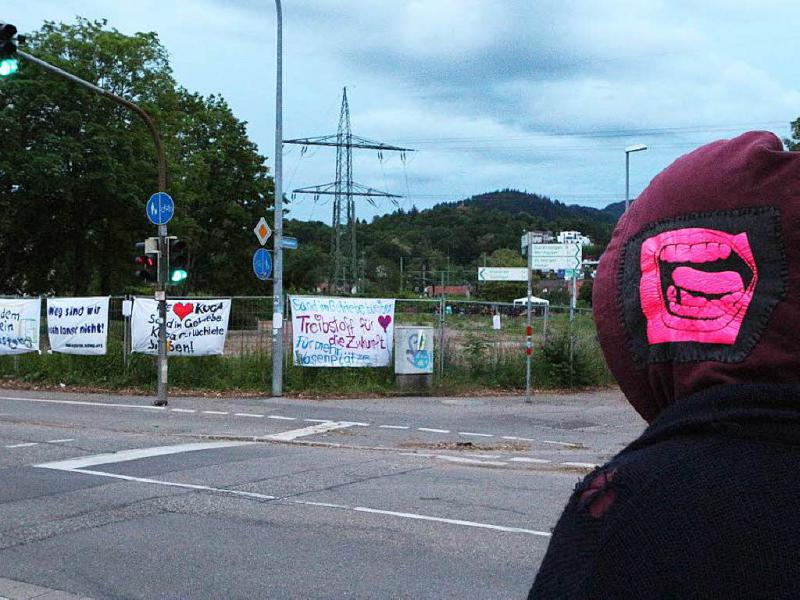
(262, 231)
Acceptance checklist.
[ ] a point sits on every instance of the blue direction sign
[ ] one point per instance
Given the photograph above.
(160, 208)
(262, 264)
(289, 243)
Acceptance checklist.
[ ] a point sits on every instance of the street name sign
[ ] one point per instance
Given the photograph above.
(289, 243)
(262, 231)
(502, 274)
(160, 208)
(555, 257)
(262, 264)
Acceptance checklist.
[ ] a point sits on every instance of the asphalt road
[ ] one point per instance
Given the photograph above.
(108, 497)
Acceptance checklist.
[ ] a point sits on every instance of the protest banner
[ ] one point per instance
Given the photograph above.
(342, 332)
(19, 325)
(194, 327)
(78, 325)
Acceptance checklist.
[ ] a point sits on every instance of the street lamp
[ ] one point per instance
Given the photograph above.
(277, 288)
(628, 150)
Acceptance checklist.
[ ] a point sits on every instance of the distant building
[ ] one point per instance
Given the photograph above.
(447, 290)
(541, 237)
(573, 237)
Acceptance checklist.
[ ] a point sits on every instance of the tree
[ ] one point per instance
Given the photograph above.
(76, 170)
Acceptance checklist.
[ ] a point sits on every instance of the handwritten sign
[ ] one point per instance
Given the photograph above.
(342, 332)
(19, 325)
(77, 325)
(414, 350)
(194, 327)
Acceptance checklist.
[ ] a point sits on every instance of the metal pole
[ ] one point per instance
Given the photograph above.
(161, 294)
(277, 301)
(529, 328)
(627, 179)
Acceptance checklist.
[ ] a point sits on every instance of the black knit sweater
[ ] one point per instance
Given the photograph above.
(705, 504)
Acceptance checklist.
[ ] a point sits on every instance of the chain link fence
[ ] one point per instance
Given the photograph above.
(469, 345)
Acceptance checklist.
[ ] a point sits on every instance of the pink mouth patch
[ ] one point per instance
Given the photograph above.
(696, 285)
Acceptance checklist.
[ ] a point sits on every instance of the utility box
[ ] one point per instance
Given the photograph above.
(413, 357)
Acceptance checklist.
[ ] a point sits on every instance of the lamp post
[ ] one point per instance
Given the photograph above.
(277, 288)
(628, 150)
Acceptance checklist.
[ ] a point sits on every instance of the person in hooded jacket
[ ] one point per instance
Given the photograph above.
(697, 306)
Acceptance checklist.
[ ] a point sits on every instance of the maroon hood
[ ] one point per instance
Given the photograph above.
(700, 284)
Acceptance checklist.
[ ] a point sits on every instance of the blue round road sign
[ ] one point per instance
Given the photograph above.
(160, 208)
(262, 264)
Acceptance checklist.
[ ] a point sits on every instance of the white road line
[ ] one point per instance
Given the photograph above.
(189, 486)
(79, 403)
(433, 430)
(214, 412)
(526, 459)
(251, 415)
(280, 418)
(126, 455)
(517, 439)
(27, 445)
(579, 464)
(357, 424)
(182, 410)
(475, 434)
(60, 441)
(317, 420)
(405, 515)
(78, 466)
(471, 461)
(288, 436)
(393, 427)
(559, 443)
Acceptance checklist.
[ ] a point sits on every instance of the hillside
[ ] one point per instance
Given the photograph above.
(452, 237)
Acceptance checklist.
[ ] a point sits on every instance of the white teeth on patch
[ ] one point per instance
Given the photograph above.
(695, 253)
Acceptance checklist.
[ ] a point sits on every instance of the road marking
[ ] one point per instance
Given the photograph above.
(517, 439)
(60, 441)
(433, 430)
(317, 420)
(26, 445)
(251, 415)
(417, 516)
(79, 466)
(559, 443)
(579, 464)
(189, 486)
(183, 410)
(525, 459)
(393, 427)
(214, 412)
(80, 403)
(126, 455)
(475, 434)
(471, 461)
(279, 417)
(288, 436)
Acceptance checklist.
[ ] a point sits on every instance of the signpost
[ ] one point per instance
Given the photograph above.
(160, 208)
(555, 257)
(262, 264)
(502, 274)
(262, 231)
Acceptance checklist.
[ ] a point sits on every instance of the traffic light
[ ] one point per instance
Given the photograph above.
(178, 261)
(8, 49)
(147, 260)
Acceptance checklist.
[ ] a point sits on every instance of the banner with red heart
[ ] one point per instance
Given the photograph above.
(183, 310)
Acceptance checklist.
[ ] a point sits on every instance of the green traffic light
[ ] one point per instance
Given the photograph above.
(178, 275)
(8, 66)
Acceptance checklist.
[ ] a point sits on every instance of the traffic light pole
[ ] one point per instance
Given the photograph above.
(161, 294)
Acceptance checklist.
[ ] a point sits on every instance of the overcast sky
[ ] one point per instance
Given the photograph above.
(536, 95)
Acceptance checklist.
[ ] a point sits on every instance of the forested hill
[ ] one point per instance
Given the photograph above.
(452, 235)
